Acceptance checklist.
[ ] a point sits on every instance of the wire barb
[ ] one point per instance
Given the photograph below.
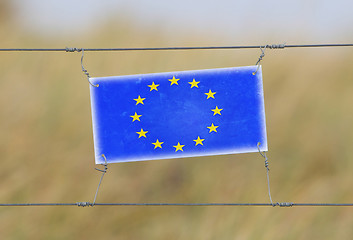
(285, 204)
(276, 46)
(68, 49)
(103, 172)
(84, 204)
(263, 154)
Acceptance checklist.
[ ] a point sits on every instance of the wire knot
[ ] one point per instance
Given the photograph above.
(267, 164)
(105, 165)
(263, 154)
(283, 204)
(263, 49)
(261, 55)
(260, 59)
(68, 49)
(276, 46)
(84, 204)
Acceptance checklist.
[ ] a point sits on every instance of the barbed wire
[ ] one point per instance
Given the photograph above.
(269, 46)
(88, 204)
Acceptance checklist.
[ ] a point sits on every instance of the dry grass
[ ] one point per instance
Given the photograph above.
(47, 149)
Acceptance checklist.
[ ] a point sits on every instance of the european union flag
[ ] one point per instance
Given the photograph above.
(178, 114)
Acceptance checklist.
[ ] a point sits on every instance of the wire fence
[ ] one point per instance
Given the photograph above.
(262, 47)
(269, 46)
(88, 204)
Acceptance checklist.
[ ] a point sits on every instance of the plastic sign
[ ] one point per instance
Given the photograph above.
(178, 114)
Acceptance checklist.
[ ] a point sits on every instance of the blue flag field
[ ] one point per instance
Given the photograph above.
(178, 114)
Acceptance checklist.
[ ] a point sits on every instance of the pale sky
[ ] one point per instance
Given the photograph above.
(284, 21)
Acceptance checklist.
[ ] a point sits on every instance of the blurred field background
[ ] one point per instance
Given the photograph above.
(46, 142)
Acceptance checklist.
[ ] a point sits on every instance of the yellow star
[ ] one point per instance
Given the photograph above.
(142, 133)
(194, 83)
(153, 86)
(135, 117)
(217, 111)
(174, 81)
(212, 128)
(179, 147)
(210, 94)
(157, 144)
(198, 141)
(139, 100)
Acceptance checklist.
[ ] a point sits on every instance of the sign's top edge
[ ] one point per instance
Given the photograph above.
(246, 68)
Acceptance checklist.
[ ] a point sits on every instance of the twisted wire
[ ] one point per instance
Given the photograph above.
(83, 69)
(103, 172)
(263, 154)
(88, 204)
(270, 46)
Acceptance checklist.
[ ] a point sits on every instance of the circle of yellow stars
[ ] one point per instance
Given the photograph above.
(175, 81)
